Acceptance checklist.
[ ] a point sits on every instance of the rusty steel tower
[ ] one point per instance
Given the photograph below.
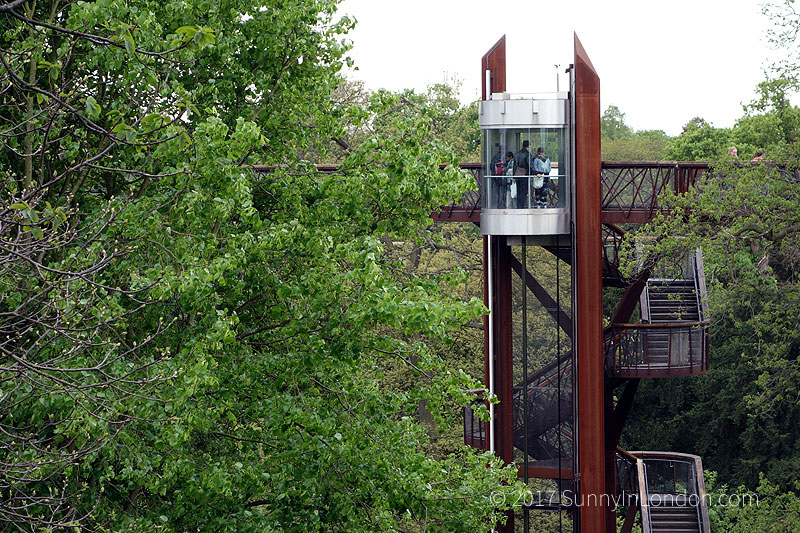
(553, 216)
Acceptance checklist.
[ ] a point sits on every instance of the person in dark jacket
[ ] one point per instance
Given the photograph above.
(496, 161)
(522, 164)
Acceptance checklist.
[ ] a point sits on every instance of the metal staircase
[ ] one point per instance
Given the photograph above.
(671, 301)
(543, 412)
(672, 337)
(674, 517)
(668, 491)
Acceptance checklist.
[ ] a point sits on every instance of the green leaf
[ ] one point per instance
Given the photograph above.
(130, 45)
(188, 31)
(92, 107)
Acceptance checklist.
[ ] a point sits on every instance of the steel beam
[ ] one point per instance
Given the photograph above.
(588, 268)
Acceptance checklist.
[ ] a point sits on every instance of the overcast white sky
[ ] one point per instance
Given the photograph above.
(661, 62)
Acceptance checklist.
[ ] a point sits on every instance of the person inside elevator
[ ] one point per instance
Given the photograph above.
(506, 200)
(522, 169)
(509, 164)
(496, 166)
(541, 169)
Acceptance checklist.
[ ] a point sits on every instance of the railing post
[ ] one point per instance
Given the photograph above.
(644, 500)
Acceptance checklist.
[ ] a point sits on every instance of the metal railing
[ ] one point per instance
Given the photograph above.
(468, 208)
(613, 237)
(631, 190)
(627, 471)
(662, 349)
(671, 492)
(475, 430)
(627, 477)
(520, 192)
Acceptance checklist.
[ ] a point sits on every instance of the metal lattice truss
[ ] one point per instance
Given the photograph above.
(631, 190)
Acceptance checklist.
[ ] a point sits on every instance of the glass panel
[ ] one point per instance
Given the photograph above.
(543, 522)
(670, 477)
(542, 356)
(526, 168)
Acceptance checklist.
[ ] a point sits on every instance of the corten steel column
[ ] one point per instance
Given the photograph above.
(503, 360)
(503, 348)
(495, 62)
(589, 302)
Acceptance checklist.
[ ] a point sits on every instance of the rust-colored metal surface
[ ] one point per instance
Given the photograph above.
(631, 189)
(623, 408)
(476, 430)
(495, 62)
(503, 352)
(630, 298)
(588, 298)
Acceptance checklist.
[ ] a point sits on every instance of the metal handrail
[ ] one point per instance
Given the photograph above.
(628, 353)
(475, 430)
(657, 325)
(697, 490)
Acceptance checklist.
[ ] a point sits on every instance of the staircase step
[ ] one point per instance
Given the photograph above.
(667, 291)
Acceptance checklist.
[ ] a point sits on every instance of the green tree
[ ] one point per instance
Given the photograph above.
(620, 143)
(742, 511)
(612, 124)
(649, 145)
(771, 123)
(453, 125)
(191, 345)
(699, 141)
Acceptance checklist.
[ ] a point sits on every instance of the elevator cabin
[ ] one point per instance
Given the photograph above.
(526, 218)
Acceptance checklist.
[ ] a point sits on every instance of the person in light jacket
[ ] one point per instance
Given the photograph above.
(541, 167)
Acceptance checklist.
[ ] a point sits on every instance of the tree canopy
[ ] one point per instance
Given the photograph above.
(619, 142)
(189, 344)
